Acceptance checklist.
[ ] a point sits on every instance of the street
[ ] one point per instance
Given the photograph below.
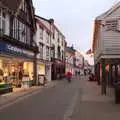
(77, 100)
(55, 103)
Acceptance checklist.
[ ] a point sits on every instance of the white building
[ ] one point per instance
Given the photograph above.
(43, 40)
(106, 46)
(51, 43)
(70, 60)
(79, 62)
(58, 45)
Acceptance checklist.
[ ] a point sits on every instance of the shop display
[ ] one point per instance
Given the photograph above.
(15, 73)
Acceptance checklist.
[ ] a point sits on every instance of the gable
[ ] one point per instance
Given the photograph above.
(114, 14)
(25, 11)
(13, 5)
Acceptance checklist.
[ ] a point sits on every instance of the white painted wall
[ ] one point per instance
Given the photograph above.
(108, 41)
(55, 40)
(79, 59)
(44, 41)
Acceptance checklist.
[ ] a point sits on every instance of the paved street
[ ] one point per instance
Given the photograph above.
(55, 103)
(80, 100)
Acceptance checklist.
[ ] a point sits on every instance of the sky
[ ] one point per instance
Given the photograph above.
(75, 18)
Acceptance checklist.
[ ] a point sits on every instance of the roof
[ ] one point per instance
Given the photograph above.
(49, 20)
(36, 16)
(13, 5)
(108, 12)
(42, 25)
(70, 50)
(101, 18)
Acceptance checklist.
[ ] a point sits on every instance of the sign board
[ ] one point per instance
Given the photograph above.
(41, 79)
(107, 68)
(8, 48)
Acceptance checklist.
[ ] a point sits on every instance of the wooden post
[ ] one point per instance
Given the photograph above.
(116, 73)
(98, 73)
(111, 77)
(95, 67)
(103, 89)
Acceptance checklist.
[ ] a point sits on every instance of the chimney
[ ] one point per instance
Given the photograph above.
(51, 21)
(72, 46)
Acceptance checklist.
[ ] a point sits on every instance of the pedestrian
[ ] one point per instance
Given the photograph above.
(69, 76)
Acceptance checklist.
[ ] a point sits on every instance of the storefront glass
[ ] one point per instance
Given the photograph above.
(41, 69)
(13, 70)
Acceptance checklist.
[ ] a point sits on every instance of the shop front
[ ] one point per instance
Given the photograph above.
(58, 69)
(43, 69)
(16, 66)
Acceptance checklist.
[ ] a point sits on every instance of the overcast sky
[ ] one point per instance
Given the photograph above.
(74, 18)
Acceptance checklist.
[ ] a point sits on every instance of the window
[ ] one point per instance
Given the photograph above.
(62, 55)
(59, 52)
(58, 37)
(21, 32)
(111, 25)
(28, 35)
(41, 33)
(53, 35)
(2, 21)
(47, 37)
(53, 51)
(47, 53)
(41, 50)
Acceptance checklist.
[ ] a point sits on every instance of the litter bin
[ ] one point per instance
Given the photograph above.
(117, 93)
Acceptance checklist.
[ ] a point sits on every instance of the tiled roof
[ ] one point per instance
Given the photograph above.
(70, 50)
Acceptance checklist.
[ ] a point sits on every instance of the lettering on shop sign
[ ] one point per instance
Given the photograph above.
(18, 50)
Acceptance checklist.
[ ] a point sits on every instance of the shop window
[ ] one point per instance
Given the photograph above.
(14, 71)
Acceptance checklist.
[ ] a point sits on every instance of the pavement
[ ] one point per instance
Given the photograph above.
(93, 106)
(21, 92)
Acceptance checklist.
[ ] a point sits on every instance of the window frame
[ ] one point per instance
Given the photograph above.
(47, 53)
(41, 50)
(41, 33)
(2, 20)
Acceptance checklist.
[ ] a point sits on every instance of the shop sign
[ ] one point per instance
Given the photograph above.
(7, 48)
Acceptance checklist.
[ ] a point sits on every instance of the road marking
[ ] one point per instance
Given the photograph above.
(19, 99)
(70, 110)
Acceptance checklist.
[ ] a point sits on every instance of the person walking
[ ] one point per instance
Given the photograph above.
(69, 76)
